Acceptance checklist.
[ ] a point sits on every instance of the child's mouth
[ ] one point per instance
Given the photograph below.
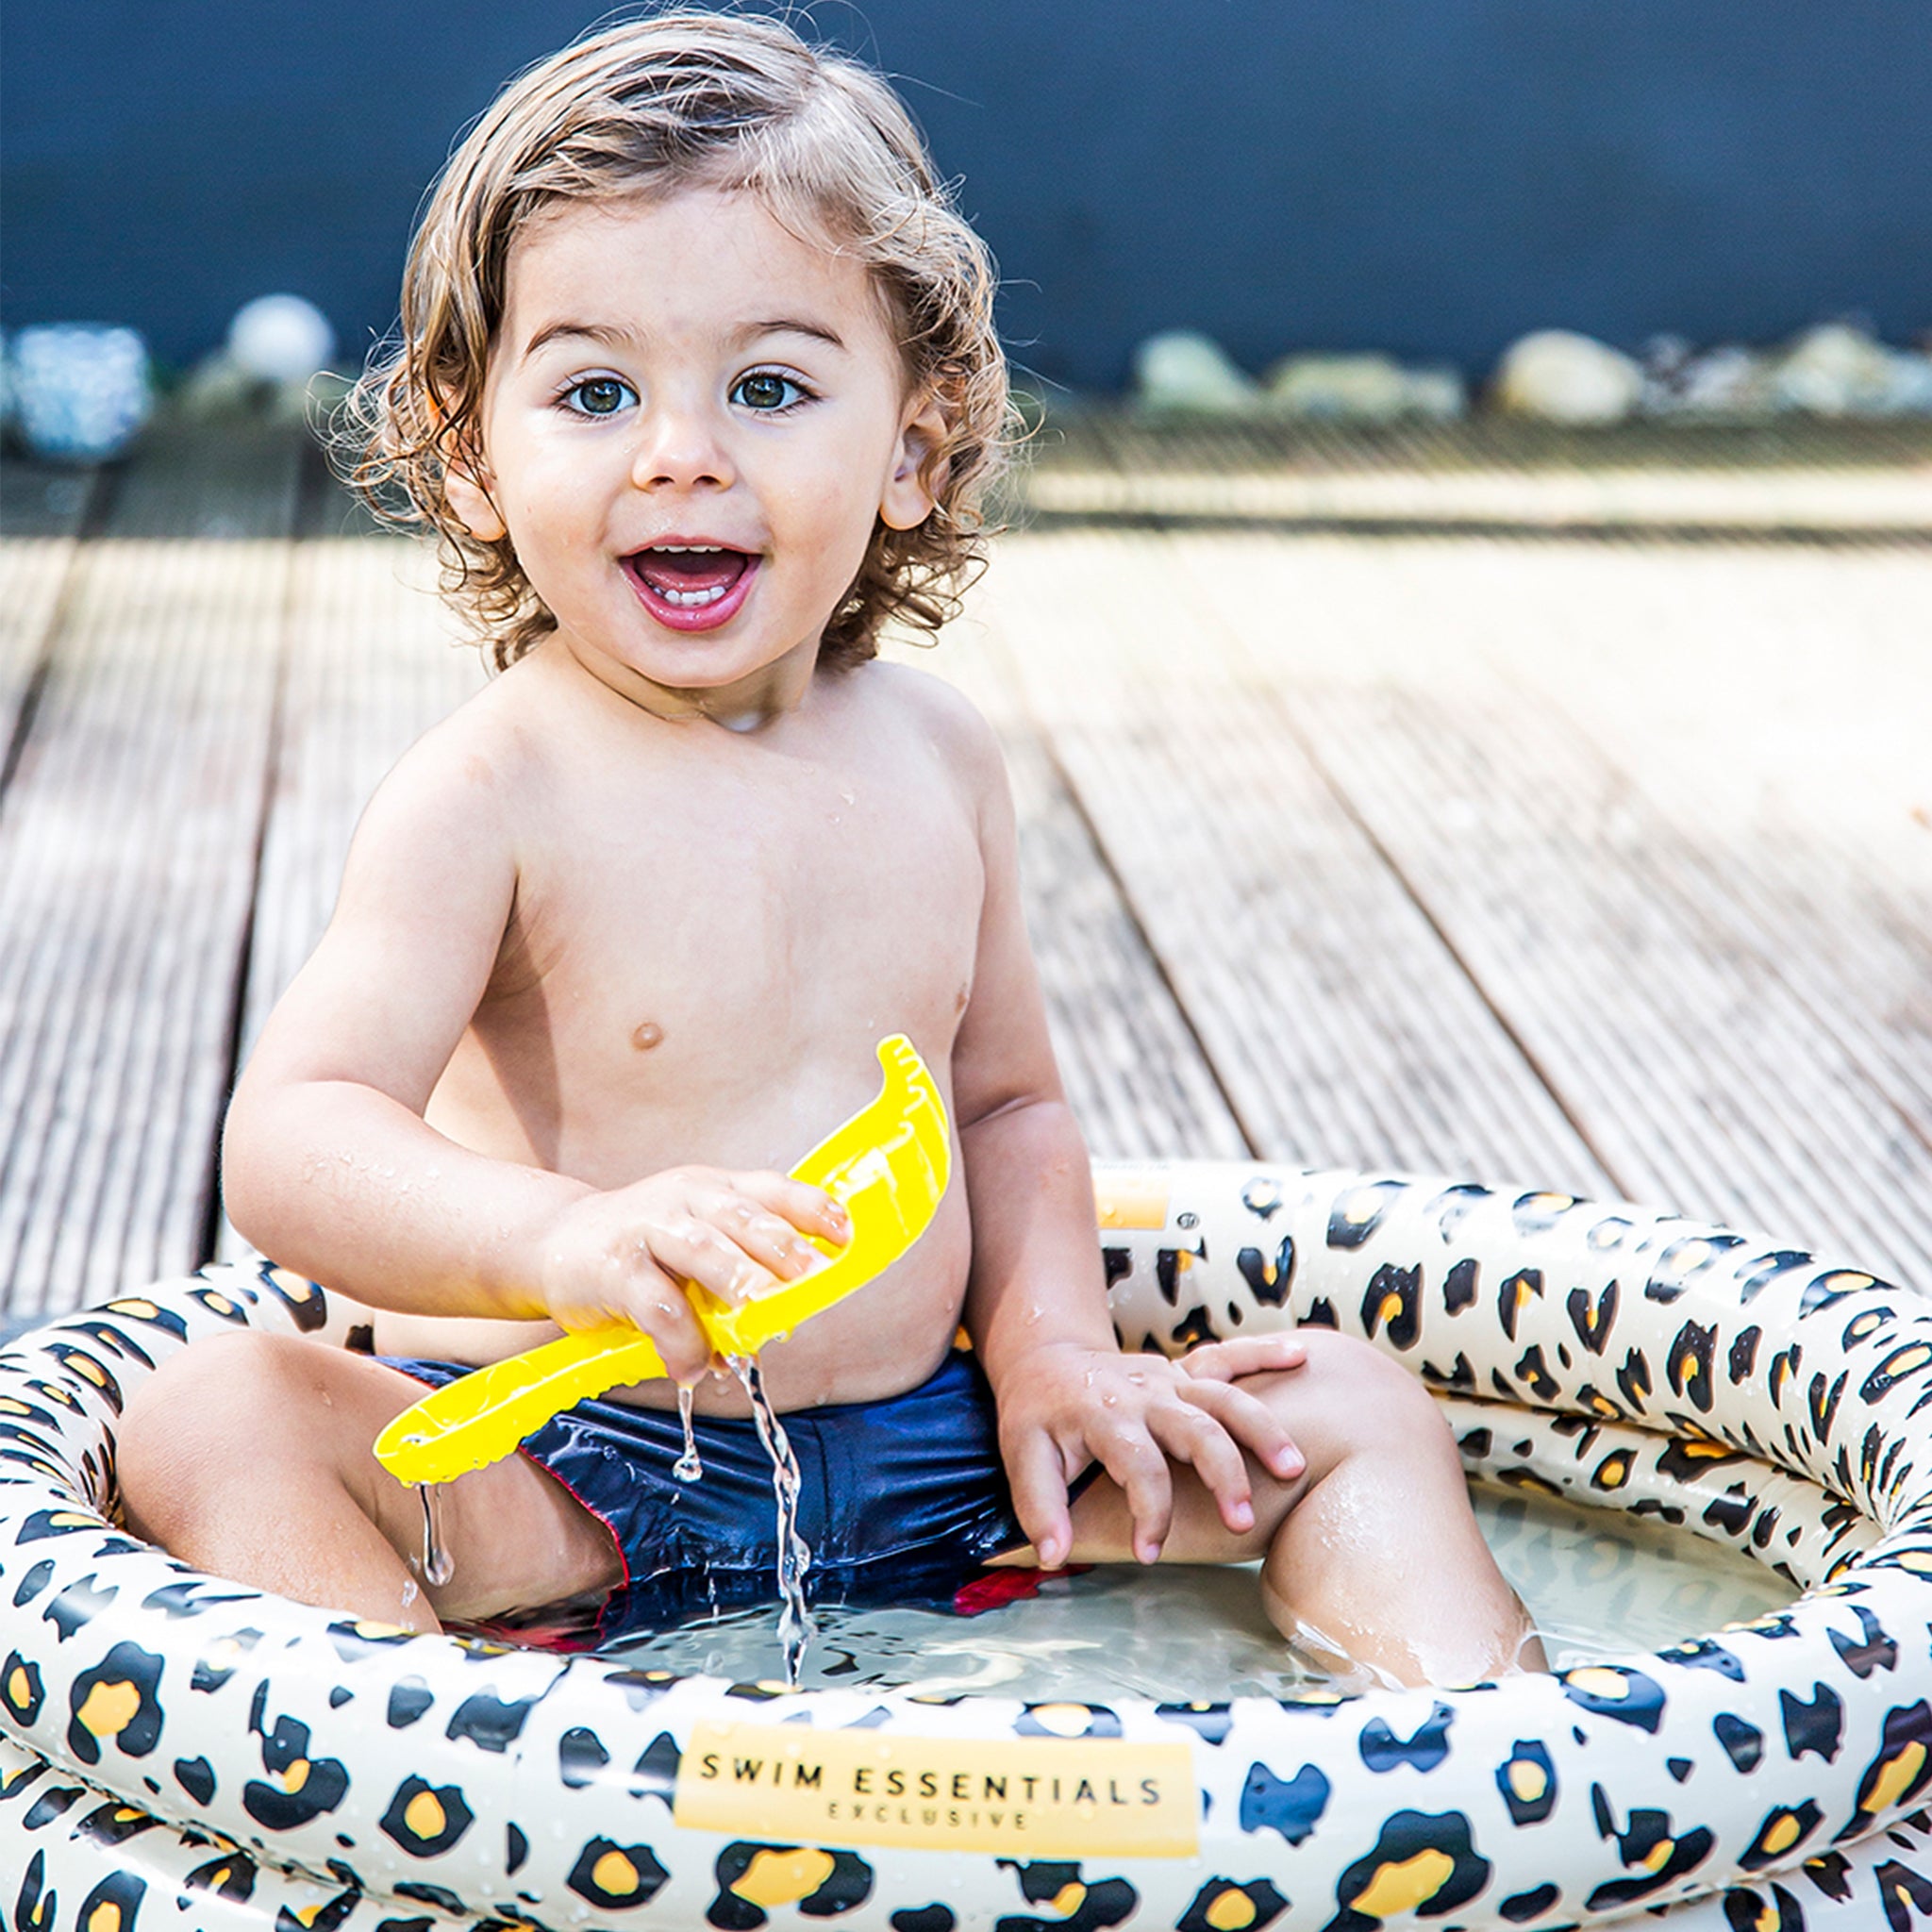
(691, 586)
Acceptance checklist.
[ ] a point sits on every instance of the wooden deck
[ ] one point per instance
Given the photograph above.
(1531, 807)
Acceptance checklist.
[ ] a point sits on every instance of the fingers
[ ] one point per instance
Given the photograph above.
(637, 1292)
(1249, 1424)
(798, 1203)
(1141, 1415)
(628, 1255)
(737, 1235)
(1189, 1434)
(773, 1243)
(1135, 1460)
(1037, 1478)
(766, 1217)
(1245, 1354)
(695, 1249)
(1207, 1423)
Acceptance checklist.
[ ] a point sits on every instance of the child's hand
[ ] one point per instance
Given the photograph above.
(624, 1256)
(1063, 1407)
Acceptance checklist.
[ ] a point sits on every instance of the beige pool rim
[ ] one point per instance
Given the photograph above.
(197, 1754)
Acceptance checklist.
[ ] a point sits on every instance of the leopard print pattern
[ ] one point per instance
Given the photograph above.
(180, 1752)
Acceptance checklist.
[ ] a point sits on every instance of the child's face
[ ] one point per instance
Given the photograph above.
(691, 422)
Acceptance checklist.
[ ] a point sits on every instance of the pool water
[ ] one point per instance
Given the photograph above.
(1594, 1583)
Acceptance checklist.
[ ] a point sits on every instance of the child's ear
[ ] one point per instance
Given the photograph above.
(908, 496)
(465, 488)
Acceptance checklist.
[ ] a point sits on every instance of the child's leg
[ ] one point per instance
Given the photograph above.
(1372, 1557)
(249, 1456)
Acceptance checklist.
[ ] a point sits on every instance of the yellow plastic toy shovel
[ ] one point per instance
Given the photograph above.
(887, 1166)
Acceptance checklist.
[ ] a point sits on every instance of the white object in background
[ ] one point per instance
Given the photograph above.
(1836, 370)
(1362, 389)
(1727, 380)
(1560, 376)
(1357, 389)
(81, 390)
(1185, 371)
(280, 339)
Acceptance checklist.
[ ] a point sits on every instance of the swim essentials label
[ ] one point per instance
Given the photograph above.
(1048, 1796)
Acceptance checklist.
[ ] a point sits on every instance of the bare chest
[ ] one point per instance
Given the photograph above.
(839, 882)
(708, 972)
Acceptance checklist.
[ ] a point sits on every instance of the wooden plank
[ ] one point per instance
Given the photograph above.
(42, 509)
(1813, 824)
(1722, 1054)
(1778, 502)
(1777, 701)
(1341, 1027)
(1817, 479)
(1135, 1074)
(1131, 440)
(374, 662)
(126, 869)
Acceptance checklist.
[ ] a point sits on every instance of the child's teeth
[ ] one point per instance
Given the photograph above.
(700, 577)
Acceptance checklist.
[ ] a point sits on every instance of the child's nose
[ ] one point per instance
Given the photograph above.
(680, 448)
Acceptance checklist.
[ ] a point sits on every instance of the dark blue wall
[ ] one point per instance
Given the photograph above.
(1430, 176)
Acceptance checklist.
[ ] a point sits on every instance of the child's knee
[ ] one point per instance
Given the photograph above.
(204, 1419)
(1360, 1401)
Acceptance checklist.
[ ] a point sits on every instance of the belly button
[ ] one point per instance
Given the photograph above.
(647, 1036)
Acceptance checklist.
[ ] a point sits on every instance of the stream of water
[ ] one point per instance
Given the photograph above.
(795, 1626)
(438, 1566)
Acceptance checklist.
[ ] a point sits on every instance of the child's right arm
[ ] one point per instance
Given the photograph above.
(329, 1167)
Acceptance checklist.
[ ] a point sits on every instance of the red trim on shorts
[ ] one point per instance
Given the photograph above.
(994, 1589)
(616, 1541)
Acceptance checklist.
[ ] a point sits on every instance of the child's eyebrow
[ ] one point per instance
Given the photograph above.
(590, 331)
(738, 338)
(786, 326)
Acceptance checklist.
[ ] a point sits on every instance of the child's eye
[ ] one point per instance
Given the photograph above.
(767, 390)
(599, 395)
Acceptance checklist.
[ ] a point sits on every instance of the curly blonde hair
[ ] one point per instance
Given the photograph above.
(676, 100)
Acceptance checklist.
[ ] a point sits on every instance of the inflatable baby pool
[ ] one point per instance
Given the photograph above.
(179, 1752)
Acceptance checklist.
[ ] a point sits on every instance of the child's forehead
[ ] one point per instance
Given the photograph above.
(701, 250)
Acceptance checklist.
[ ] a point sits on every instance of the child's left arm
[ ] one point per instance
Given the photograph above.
(1036, 1303)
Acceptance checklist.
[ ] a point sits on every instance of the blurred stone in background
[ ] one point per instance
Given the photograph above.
(78, 391)
(276, 346)
(1835, 370)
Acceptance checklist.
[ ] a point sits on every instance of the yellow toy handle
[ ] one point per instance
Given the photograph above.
(887, 1166)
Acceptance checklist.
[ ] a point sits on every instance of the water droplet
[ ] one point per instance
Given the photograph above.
(439, 1566)
(688, 1468)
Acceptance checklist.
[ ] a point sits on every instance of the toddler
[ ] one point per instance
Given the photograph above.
(698, 385)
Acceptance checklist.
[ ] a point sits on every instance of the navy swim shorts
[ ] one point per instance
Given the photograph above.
(902, 1501)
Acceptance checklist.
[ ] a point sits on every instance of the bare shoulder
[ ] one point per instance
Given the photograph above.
(427, 895)
(462, 777)
(918, 700)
